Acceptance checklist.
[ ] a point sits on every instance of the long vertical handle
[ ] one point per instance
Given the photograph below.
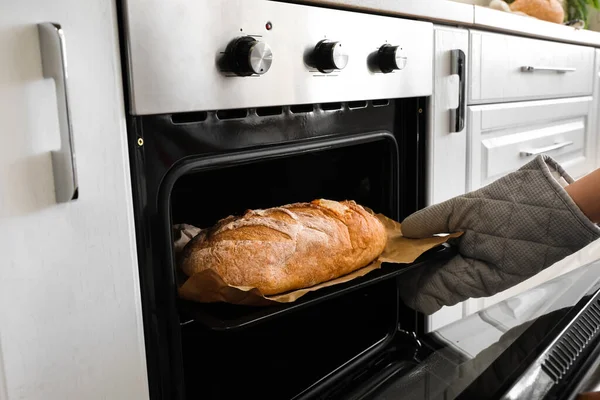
(54, 65)
(457, 117)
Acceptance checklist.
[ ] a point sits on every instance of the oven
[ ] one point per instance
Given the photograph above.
(247, 104)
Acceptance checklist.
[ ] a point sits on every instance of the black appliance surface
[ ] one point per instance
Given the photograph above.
(536, 345)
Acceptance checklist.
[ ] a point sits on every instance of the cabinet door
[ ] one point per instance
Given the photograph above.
(70, 316)
(447, 145)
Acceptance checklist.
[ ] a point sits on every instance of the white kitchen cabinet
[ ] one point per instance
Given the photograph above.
(507, 68)
(447, 145)
(528, 97)
(70, 314)
(596, 108)
(503, 137)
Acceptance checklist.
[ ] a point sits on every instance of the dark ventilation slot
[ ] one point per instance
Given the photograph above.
(267, 111)
(237, 113)
(331, 106)
(571, 345)
(381, 103)
(301, 108)
(189, 118)
(357, 104)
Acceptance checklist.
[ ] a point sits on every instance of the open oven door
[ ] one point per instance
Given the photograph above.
(541, 344)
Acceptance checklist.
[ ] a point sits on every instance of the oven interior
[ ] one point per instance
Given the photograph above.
(363, 173)
(232, 351)
(196, 168)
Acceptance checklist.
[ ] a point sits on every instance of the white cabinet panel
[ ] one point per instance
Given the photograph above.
(507, 153)
(446, 150)
(70, 315)
(596, 109)
(510, 68)
(500, 134)
(445, 316)
(503, 137)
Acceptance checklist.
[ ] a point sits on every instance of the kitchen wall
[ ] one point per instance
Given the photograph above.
(594, 22)
(476, 2)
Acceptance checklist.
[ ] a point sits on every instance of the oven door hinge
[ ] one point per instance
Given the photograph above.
(408, 344)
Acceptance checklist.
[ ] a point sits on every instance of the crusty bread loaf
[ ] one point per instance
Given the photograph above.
(290, 247)
(547, 10)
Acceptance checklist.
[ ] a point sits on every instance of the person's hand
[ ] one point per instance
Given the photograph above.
(513, 229)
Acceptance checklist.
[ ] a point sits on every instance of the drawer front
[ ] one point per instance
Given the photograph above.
(508, 68)
(504, 137)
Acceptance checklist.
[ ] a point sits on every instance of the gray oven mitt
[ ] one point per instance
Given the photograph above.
(513, 229)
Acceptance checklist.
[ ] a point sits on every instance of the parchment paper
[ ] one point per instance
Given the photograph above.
(208, 287)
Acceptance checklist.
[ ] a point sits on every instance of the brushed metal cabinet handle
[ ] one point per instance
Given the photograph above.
(54, 65)
(540, 150)
(560, 70)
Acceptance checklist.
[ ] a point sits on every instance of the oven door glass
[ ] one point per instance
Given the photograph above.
(502, 351)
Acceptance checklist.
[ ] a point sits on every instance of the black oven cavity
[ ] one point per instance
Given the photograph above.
(197, 168)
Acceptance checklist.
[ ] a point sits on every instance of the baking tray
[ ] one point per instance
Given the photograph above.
(222, 317)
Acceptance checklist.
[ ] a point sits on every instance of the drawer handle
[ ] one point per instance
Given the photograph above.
(535, 152)
(559, 70)
(54, 65)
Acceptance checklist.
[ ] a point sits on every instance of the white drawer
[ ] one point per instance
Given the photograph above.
(508, 68)
(503, 137)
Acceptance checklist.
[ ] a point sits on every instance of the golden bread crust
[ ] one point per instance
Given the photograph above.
(287, 248)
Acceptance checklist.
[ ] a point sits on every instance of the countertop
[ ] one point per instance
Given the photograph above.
(461, 14)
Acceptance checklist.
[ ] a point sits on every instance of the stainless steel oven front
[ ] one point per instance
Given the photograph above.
(238, 104)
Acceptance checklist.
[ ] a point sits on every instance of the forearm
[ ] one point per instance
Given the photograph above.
(586, 194)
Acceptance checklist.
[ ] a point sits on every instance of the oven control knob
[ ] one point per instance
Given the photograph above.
(329, 56)
(247, 56)
(390, 58)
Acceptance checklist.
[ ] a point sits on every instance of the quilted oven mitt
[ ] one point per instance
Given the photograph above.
(513, 229)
